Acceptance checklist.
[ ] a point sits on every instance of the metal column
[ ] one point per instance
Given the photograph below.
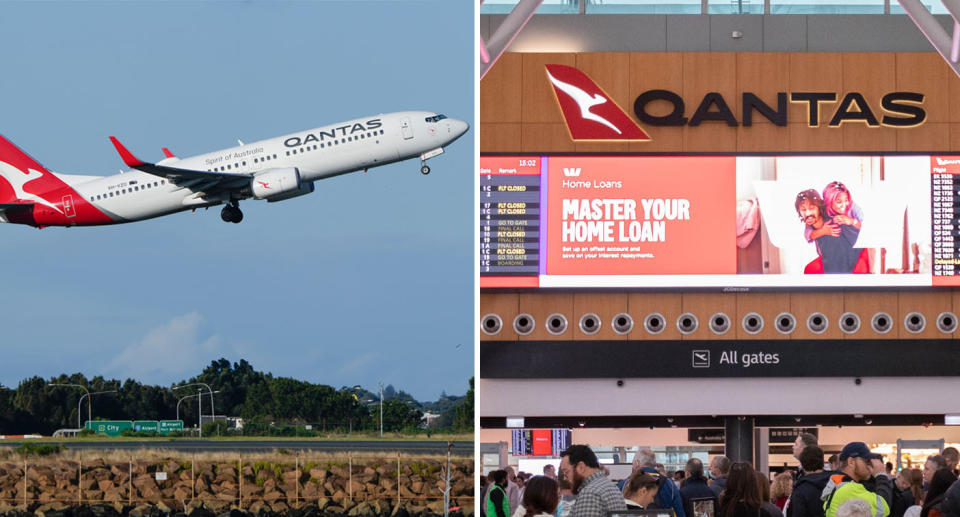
(738, 438)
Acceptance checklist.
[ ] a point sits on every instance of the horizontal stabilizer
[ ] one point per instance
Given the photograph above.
(13, 208)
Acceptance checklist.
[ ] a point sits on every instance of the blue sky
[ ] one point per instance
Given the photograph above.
(368, 279)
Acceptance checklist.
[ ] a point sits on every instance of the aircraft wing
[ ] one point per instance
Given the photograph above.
(210, 183)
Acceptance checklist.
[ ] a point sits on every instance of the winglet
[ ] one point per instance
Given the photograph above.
(167, 153)
(128, 157)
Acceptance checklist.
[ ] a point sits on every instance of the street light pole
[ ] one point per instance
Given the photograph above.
(184, 398)
(200, 411)
(90, 395)
(178, 404)
(212, 413)
(89, 404)
(381, 410)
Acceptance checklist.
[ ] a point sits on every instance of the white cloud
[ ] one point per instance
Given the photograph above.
(168, 353)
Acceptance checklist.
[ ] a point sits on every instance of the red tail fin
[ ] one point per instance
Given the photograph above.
(18, 168)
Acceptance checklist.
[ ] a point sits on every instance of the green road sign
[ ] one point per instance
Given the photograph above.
(109, 427)
(168, 426)
(146, 426)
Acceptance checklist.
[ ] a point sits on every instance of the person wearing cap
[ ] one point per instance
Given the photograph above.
(857, 480)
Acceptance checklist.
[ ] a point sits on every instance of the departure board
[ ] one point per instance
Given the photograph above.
(945, 186)
(540, 442)
(510, 221)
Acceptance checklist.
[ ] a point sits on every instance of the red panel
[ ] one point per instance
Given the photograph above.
(509, 281)
(542, 445)
(641, 215)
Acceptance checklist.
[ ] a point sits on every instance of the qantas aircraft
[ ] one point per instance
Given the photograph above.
(275, 169)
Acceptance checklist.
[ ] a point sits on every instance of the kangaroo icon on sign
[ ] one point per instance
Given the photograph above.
(701, 359)
(590, 114)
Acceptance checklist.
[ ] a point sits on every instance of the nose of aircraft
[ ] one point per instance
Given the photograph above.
(457, 128)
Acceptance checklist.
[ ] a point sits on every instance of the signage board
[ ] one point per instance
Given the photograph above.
(723, 358)
(109, 427)
(540, 442)
(730, 222)
(705, 435)
(146, 426)
(166, 426)
(790, 434)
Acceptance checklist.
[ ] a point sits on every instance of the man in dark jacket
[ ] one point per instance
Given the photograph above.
(695, 486)
(951, 503)
(805, 499)
(719, 467)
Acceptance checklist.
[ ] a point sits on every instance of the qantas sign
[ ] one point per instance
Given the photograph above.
(591, 115)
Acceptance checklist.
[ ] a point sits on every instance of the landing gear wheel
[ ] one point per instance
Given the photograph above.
(424, 169)
(231, 214)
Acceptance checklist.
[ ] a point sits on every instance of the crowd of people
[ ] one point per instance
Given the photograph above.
(853, 483)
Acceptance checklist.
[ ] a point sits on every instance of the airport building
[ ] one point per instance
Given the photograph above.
(706, 227)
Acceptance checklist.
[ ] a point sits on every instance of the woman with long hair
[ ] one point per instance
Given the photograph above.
(742, 496)
(942, 479)
(763, 483)
(640, 490)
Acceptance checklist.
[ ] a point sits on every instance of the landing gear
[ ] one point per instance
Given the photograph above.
(424, 169)
(231, 213)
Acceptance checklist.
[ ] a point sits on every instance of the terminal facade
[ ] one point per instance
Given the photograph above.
(730, 344)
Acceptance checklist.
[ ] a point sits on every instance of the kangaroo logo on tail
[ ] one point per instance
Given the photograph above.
(17, 179)
(589, 112)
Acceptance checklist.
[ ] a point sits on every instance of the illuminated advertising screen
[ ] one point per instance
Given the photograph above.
(719, 221)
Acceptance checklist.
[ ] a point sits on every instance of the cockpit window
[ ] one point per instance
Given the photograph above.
(436, 118)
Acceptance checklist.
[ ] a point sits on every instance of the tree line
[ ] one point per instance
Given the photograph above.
(261, 399)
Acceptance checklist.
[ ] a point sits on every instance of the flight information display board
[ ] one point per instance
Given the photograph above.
(724, 221)
(540, 442)
(945, 185)
(510, 219)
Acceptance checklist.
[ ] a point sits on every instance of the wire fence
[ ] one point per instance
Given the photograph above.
(183, 481)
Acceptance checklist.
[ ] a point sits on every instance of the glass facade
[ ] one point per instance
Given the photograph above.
(547, 7)
(643, 7)
(713, 7)
(735, 7)
(828, 7)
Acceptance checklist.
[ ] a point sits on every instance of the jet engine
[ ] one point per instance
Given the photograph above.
(277, 184)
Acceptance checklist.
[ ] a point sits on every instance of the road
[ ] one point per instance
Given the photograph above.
(409, 447)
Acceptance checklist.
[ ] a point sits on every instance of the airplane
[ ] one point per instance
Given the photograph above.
(275, 169)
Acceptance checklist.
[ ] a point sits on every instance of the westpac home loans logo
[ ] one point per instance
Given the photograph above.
(571, 172)
(589, 112)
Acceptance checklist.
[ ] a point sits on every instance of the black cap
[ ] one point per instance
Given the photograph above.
(855, 450)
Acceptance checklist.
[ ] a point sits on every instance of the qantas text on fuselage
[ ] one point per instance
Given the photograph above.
(274, 170)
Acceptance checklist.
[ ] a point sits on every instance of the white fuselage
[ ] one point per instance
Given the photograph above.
(318, 153)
